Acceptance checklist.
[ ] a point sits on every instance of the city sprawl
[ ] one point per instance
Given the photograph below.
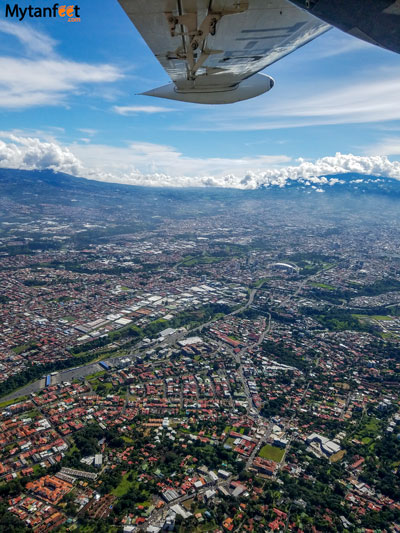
(199, 366)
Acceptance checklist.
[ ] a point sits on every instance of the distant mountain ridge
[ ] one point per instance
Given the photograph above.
(345, 182)
(47, 185)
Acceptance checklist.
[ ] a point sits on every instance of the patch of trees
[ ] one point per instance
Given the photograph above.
(379, 287)
(338, 320)
(35, 282)
(302, 259)
(31, 247)
(379, 470)
(92, 345)
(273, 407)
(9, 522)
(133, 497)
(283, 355)
(187, 318)
(375, 289)
(213, 456)
(87, 439)
(111, 479)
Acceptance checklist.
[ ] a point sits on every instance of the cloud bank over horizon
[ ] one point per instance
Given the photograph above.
(154, 165)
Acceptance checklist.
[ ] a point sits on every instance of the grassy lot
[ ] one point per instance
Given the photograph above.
(100, 386)
(10, 402)
(69, 318)
(23, 347)
(34, 413)
(124, 486)
(368, 432)
(323, 286)
(92, 377)
(259, 282)
(202, 260)
(337, 456)
(389, 336)
(272, 453)
(229, 441)
(187, 503)
(374, 317)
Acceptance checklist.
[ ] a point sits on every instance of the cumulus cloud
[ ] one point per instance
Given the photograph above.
(156, 159)
(29, 153)
(41, 76)
(310, 173)
(162, 166)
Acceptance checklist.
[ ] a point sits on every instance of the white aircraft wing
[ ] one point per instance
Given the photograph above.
(213, 49)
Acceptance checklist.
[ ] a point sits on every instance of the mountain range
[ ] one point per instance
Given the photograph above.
(23, 186)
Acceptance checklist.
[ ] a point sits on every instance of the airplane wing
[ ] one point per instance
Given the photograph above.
(374, 21)
(213, 49)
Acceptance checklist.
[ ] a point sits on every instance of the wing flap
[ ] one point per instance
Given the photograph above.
(218, 43)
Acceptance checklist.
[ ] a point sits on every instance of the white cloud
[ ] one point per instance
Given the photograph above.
(163, 166)
(386, 146)
(34, 42)
(28, 153)
(134, 109)
(88, 131)
(370, 97)
(157, 159)
(25, 83)
(44, 78)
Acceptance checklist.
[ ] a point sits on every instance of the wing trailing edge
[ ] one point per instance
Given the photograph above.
(212, 49)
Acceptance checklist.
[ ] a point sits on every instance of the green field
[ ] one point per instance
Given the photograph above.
(260, 282)
(323, 286)
(202, 260)
(272, 453)
(23, 348)
(368, 431)
(124, 486)
(374, 317)
(69, 318)
(10, 402)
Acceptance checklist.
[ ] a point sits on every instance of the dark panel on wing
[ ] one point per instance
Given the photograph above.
(374, 21)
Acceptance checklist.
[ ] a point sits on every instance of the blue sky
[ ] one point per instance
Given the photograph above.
(68, 101)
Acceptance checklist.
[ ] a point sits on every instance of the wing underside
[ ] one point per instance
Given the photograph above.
(212, 45)
(374, 21)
